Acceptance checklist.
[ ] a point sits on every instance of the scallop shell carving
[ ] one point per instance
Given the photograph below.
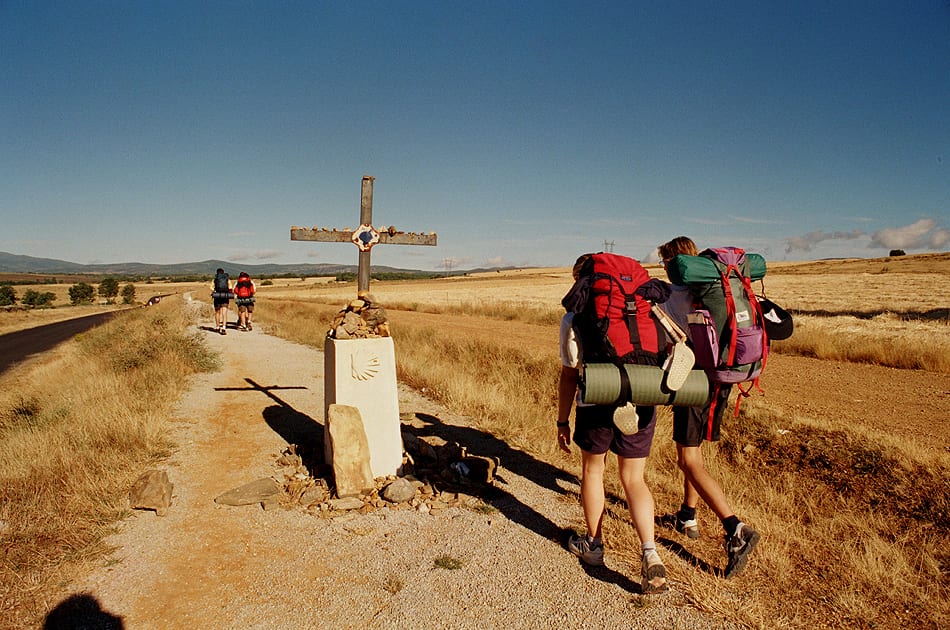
(364, 365)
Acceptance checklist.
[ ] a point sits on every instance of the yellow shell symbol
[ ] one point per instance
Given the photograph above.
(364, 365)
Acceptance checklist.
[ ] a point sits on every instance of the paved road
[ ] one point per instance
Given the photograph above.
(22, 344)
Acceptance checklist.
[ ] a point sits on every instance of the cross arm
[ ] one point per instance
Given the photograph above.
(386, 235)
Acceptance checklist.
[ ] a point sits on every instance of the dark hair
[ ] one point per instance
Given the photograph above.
(220, 270)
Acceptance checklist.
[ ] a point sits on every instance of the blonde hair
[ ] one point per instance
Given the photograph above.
(679, 245)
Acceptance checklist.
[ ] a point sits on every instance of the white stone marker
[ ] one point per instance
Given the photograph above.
(362, 373)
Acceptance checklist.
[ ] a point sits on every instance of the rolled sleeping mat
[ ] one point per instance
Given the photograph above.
(602, 383)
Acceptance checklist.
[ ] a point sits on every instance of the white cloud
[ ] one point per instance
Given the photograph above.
(806, 242)
(922, 234)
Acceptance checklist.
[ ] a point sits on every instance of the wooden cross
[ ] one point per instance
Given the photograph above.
(365, 236)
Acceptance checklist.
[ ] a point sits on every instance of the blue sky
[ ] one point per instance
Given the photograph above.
(523, 133)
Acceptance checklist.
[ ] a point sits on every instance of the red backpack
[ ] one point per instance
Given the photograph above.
(244, 289)
(613, 319)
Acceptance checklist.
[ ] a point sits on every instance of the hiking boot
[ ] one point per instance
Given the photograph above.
(249, 327)
(626, 420)
(652, 573)
(672, 521)
(223, 331)
(586, 550)
(738, 547)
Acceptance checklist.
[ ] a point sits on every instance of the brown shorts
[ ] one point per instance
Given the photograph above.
(595, 432)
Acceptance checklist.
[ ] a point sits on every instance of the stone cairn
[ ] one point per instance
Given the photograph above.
(436, 475)
(361, 319)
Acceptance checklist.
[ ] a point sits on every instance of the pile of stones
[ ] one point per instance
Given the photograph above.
(361, 319)
(436, 475)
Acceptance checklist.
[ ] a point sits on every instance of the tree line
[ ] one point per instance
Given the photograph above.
(79, 293)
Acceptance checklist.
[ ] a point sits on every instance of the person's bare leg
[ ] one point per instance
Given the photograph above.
(639, 499)
(592, 491)
(699, 481)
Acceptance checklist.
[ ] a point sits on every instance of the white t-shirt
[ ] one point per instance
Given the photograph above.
(571, 351)
(569, 347)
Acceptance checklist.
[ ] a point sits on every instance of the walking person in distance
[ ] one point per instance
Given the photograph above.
(244, 291)
(221, 296)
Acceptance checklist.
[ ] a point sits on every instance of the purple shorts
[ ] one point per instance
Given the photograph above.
(595, 432)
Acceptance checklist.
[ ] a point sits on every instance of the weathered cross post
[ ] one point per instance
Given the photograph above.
(365, 236)
(362, 372)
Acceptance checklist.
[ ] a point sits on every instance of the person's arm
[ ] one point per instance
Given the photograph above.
(567, 382)
(566, 390)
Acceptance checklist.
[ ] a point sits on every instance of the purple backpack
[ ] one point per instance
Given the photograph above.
(727, 331)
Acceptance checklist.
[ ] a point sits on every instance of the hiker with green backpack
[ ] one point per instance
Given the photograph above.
(693, 425)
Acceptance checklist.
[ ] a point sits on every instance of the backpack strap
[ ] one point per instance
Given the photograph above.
(730, 310)
(712, 411)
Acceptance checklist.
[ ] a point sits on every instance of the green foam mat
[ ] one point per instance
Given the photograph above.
(600, 385)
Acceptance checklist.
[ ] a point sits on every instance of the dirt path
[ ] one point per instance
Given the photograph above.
(211, 566)
(911, 404)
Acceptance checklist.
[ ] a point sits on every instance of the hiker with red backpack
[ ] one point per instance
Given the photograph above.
(693, 425)
(591, 331)
(244, 290)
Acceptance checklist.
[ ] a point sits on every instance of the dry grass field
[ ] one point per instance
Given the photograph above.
(843, 465)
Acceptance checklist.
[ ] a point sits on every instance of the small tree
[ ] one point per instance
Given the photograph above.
(108, 289)
(897, 252)
(7, 295)
(128, 294)
(35, 298)
(80, 293)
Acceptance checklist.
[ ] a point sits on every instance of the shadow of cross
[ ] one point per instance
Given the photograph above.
(365, 236)
(254, 387)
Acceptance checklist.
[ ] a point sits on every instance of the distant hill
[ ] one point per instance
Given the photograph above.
(15, 263)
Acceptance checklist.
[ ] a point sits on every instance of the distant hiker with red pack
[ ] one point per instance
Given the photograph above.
(221, 296)
(692, 425)
(244, 291)
(609, 318)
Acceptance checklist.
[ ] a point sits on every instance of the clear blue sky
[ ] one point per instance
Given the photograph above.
(522, 133)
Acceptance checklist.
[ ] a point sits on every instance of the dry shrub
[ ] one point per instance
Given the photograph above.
(509, 392)
(73, 437)
(854, 529)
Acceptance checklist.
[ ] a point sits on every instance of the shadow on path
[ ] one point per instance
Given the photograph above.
(293, 426)
(484, 444)
(81, 611)
(687, 556)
